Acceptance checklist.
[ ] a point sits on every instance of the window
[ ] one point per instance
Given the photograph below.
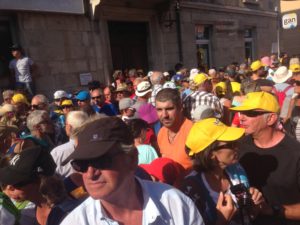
(203, 33)
(249, 45)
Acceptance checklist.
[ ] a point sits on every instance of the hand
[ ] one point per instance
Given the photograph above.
(225, 207)
(256, 196)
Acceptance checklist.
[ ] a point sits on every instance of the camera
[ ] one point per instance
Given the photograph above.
(243, 196)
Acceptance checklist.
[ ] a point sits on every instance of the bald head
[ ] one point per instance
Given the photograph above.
(157, 78)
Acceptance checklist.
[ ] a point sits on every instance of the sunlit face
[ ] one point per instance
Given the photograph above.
(97, 97)
(168, 113)
(108, 184)
(226, 154)
(254, 122)
(16, 53)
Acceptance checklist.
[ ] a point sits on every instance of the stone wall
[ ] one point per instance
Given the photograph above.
(62, 46)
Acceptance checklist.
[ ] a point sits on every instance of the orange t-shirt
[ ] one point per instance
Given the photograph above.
(176, 149)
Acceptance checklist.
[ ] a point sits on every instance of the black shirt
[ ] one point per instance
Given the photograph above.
(274, 171)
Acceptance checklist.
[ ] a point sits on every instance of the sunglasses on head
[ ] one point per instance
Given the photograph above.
(101, 163)
(253, 113)
(97, 97)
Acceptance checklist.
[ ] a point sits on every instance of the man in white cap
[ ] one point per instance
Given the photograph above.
(282, 89)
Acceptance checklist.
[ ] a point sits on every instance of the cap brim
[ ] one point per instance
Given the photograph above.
(9, 176)
(140, 94)
(90, 151)
(232, 134)
(242, 108)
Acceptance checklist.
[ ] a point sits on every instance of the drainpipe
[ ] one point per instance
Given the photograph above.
(178, 29)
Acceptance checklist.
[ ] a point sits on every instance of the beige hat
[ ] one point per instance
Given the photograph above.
(143, 88)
(282, 74)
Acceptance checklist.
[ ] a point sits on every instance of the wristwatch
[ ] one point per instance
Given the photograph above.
(277, 210)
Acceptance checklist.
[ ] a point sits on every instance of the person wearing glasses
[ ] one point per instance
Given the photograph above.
(213, 147)
(271, 159)
(83, 99)
(99, 104)
(106, 157)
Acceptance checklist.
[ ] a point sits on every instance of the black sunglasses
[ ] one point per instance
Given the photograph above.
(101, 163)
(97, 97)
(66, 106)
(229, 145)
(36, 106)
(253, 113)
(297, 82)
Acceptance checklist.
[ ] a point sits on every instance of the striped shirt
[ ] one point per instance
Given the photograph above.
(155, 89)
(197, 98)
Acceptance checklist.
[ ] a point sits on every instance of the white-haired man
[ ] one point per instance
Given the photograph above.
(74, 120)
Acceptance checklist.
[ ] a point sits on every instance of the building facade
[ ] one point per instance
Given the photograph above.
(94, 37)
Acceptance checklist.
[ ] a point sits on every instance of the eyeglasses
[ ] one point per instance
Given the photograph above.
(101, 163)
(229, 145)
(39, 106)
(97, 97)
(253, 113)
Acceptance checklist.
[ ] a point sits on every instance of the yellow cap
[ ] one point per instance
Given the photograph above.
(295, 68)
(256, 65)
(17, 98)
(220, 88)
(236, 87)
(67, 102)
(259, 101)
(200, 78)
(207, 131)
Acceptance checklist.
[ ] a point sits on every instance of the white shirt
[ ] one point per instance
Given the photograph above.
(163, 204)
(59, 154)
(21, 68)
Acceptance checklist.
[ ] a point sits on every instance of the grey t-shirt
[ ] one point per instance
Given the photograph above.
(21, 68)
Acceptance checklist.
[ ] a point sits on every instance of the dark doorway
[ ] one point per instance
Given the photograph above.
(128, 43)
(5, 44)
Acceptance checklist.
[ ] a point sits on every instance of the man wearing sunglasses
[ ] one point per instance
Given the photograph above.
(271, 159)
(107, 159)
(99, 104)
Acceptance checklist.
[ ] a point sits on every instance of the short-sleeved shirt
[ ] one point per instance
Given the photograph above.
(21, 67)
(146, 154)
(176, 149)
(163, 204)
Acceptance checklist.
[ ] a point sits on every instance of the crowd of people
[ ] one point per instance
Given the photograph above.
(184, 147)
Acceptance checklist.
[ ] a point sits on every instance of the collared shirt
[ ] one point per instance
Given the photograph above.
(155, 89)
(163, 204)
(197, 98)
(59, 154)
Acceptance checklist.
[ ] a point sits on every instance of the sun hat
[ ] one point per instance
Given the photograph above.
(26, 165)
(200, 78)
(295, 68)
(148, 113)
(259, 101)
(121, 87)
(83, 95)
(6, 129)
(60, 94)
(164, 169)
(170, 84)
(7, 108)
(220, 88)
(149, 74)
(282, 74)
(236, 86)
(256, 65)
(20, 98)
(207, 131)
(143, 88)
(98, 137)
(125, 103)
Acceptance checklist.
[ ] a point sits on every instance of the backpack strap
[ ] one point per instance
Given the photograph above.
(287, 88)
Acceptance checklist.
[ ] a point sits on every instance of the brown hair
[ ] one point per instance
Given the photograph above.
(169, 94)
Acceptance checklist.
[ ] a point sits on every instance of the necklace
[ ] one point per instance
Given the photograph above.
(172, 136)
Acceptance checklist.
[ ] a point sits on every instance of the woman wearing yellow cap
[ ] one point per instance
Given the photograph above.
(218, 184)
